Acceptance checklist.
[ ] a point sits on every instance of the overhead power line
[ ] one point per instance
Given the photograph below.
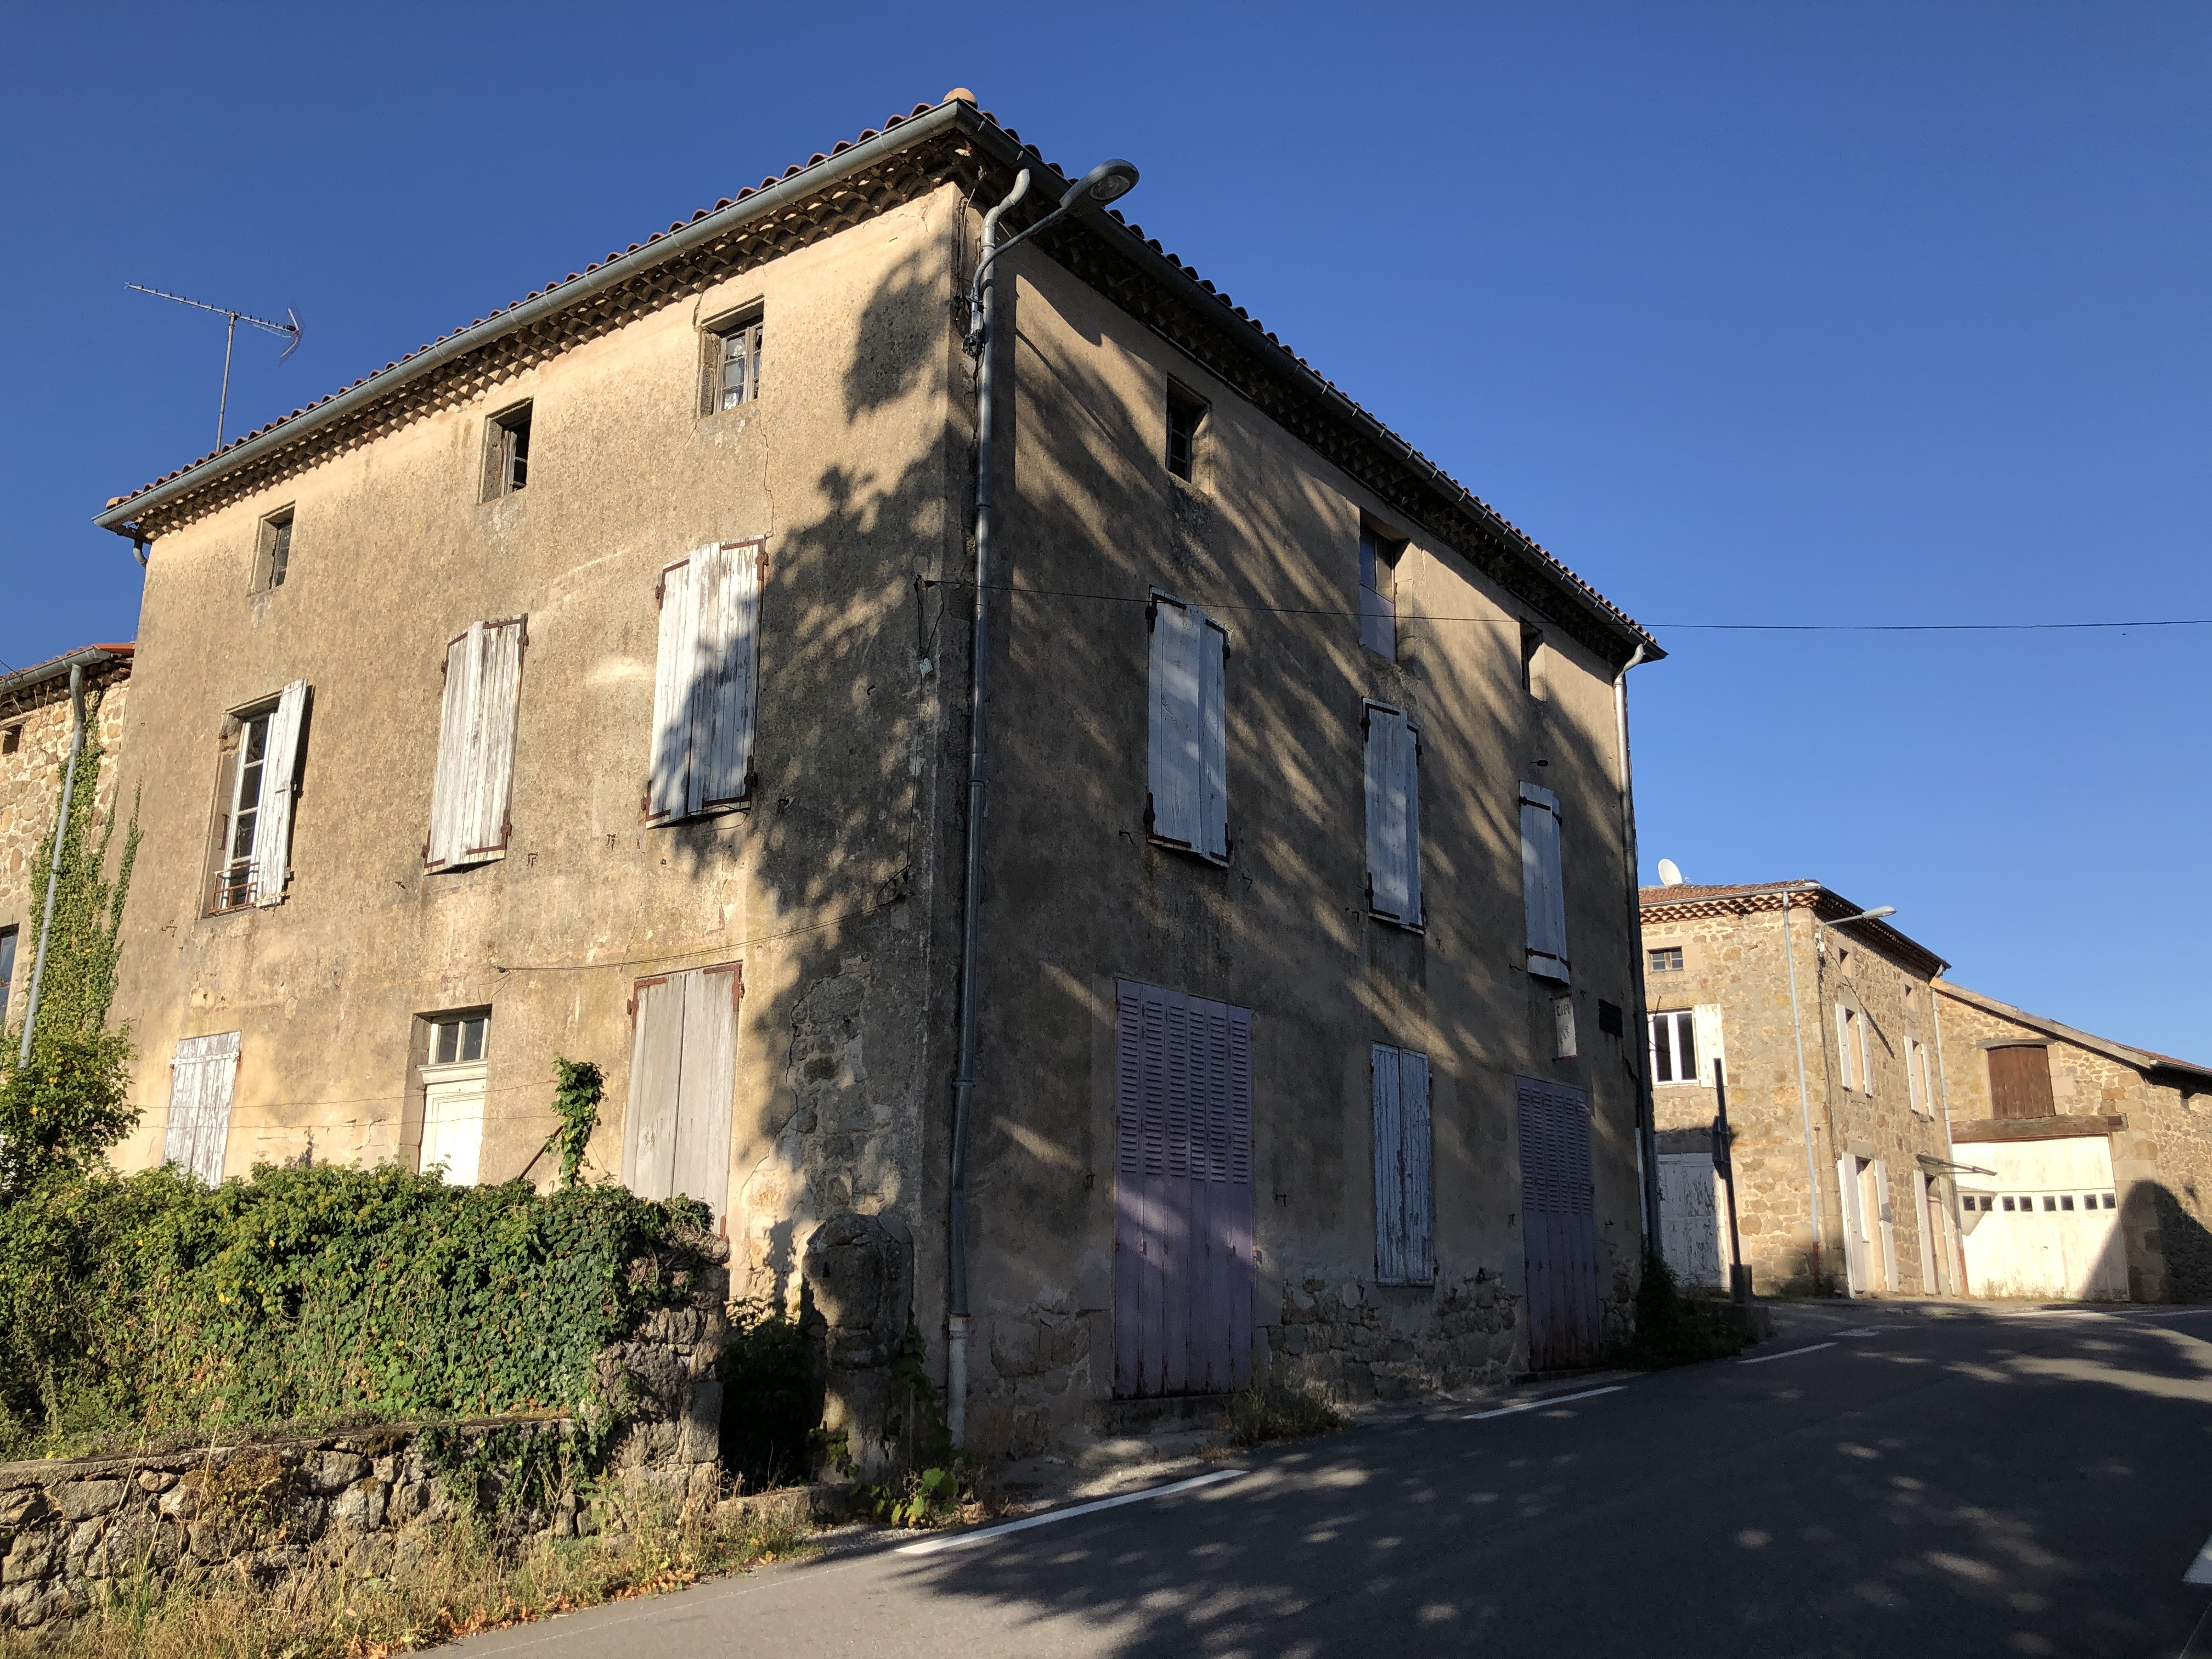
(1503, 621)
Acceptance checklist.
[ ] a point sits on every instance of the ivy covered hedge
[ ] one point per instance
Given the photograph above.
(148, 1305)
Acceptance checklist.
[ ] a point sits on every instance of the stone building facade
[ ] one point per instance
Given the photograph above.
(35, 723)
(2063, 1120)
(612, 657)
(1844, 1171)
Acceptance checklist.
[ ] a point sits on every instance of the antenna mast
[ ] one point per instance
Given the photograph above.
(230, 334)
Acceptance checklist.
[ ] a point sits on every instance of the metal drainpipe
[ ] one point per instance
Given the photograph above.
(963, 1083)
(1647, 1136)
(1804, 1098)
(54, 864)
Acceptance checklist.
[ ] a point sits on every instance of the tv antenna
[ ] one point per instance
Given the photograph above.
(230, 334)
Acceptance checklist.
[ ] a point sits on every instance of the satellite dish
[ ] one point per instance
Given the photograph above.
(1670, 873)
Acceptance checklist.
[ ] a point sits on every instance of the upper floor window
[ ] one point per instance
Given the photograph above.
(1855, 1064)
(475, 745)
(1186, 420)
(273, 556)
(458, 1038)
(1674, 1046)
(1187, 770)
(1378, 593)
(507, 452)
(254, 847)
(1544, 884)
(1668, 959)
(2020, 1081)
(1532, 659)
(1919, 1080)
(1393, 816)
(734, 364)
(11, 739)
(706, 685)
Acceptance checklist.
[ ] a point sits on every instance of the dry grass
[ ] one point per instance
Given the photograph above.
(1261, 1417)
(463, 1582)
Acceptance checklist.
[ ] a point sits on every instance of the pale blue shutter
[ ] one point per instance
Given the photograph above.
(1177, 769)
(1414, 1163)
(1543, 892)
(1389, 1174)
(1213, 739)
(1393, 816)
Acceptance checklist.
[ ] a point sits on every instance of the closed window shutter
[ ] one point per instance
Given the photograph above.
(1389, 1173)
(1706, 1024)
(1213, 741)
(201, 1076)
(1413, 1165)
(706, 682)
(475, 745)
(1847, 1195)
(1393, 823)
(1844, 1044)
(273, 852)
(1543, 890)
(1177, 769)
(700, 1167)
(656, 1070)
(1887, 1219)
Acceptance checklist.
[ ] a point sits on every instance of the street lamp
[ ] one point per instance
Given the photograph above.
(1106, 182)
(1820, 928)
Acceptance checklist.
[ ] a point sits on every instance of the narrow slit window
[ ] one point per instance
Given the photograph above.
(508, 442)
(7, 936)
(11, 740)
(275, 560)
(1532, 653)
(1378, 593)
(1186, 420)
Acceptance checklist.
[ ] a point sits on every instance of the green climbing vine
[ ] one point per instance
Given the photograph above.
(62, 1110)
(577, 1087)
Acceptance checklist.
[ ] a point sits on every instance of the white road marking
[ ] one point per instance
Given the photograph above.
(1538, 1405)
(1872, 1330)
(932, 1545)
(2200, 1570)
(1791, 1354)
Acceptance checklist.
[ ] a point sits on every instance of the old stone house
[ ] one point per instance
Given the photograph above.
(1892, 1132)
(35, 723)
(2093, 1160)
(1823, 1031)
(595, 682)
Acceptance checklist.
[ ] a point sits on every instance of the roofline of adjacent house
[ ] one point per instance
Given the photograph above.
(123, 516)
(1884, 935)
(2140, 1059)
(85, 656)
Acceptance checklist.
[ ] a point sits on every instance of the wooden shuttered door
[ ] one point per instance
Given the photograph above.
(201, 1077)
(1558, 1226)
(706, 686)
(1705, 1025)
(1405, 1248)
(682, 1074)
(1187, 773)
(2020, 1081)
(1543, 886)
(1393, 816)
(1182, 1193)
(272, 833)
(475, 745)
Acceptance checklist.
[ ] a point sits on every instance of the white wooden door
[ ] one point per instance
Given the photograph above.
(198, 1135)
(682, 1072)
(1691, 1218)
(452, 1121)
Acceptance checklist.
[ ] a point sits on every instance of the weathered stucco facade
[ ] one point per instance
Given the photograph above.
(835, 887)
(35, 722)
(2145, 1118)
(1734, 958)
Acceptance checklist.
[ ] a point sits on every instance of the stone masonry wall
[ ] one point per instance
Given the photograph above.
(72, 1528)
(1352, 1342)
(30, 787)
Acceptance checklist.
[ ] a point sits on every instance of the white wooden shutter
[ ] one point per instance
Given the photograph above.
(198, 1135)
(1847, 1194)
(1844, 1044)
(656, 1070)
(1413, 1165)
(706, 681)
(1390, 1175)
(1887, 1218)
(1393, 816)
(1543, 889)
(1178, 722)
(272, 826)
(475, 745)
(700, 1166)
(1706, 1023)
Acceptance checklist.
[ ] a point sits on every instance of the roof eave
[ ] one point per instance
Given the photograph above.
(122, 517)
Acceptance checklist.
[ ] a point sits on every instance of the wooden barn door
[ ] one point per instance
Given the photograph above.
(1558, 1226)
(1182, 1193)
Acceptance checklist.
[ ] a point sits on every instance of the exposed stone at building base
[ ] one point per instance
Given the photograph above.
(1352, 1342)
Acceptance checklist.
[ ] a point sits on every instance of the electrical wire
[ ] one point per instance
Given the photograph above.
(1514, 622)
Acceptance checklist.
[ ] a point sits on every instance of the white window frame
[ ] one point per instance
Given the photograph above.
(1677, 1022)
(255, 875)
(748, 333)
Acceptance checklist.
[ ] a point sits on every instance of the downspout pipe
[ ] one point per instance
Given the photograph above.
(1646, 1128)
(1103, 184)
(54, 863)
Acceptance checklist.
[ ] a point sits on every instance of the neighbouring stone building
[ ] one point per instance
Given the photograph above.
(595, 682)
(2107, 1148)
(35, 722)
(1825, 1035)
(1891, 1132)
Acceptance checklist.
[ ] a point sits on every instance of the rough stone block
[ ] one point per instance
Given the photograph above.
(78, 1499)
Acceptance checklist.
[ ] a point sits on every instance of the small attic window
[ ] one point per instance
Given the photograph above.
(507, 452)
(1186, 420)
(11, 740)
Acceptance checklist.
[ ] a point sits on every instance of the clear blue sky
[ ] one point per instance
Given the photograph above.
(1752, 313)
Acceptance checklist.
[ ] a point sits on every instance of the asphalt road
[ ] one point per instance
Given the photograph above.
(1935, 1480)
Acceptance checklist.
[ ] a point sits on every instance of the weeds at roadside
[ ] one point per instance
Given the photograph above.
(1259, 1417)
(462, 1582)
